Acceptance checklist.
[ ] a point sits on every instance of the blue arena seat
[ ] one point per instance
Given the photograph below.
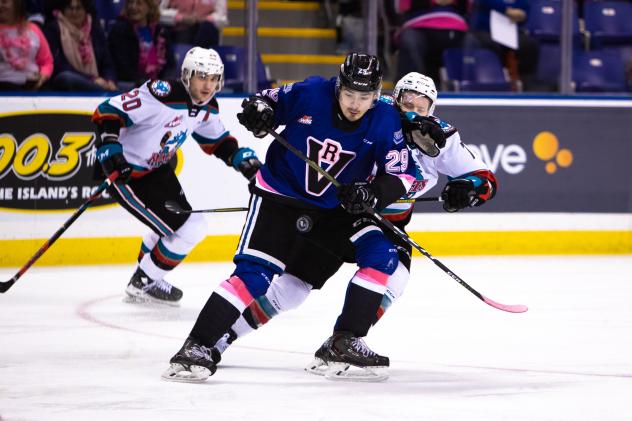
(608, 22)
(544, 21)
(474, 69)
(108, 11)
(548, 71)
(179, 51)
(598, 71)
(234, 59)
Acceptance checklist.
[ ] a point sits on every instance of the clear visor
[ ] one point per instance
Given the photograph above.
(412, 101)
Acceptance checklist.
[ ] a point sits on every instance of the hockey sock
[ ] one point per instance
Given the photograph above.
(394, 289)
(149, 242)
(384, 305)
(170, 250)
(363, 298)
(221, 310)
(285, 293)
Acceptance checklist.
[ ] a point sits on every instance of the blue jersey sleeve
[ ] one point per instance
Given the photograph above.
(291, 100)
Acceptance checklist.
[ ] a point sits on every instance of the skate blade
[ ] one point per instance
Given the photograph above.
(350, 373)
(317, 367)
(177, 373)
(135, 297)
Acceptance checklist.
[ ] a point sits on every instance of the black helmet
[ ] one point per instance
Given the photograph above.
(361, 72)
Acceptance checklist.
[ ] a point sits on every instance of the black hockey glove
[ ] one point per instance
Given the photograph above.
(110, 155)
(356, 197)
(423, 133)
(458, 194)
(257, 116)
(246, 162)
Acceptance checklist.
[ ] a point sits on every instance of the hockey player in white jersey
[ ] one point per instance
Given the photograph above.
(436, 148)
(138, 134)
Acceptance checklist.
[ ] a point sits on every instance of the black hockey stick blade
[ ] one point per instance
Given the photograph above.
(174, 207)
(4, 286)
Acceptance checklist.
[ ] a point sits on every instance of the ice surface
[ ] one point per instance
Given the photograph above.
(70, 349)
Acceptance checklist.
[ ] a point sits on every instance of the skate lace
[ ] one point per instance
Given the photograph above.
(359, 345)
(160, 284)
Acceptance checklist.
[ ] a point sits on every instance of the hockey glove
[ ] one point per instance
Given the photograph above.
(423, 133)
(257, 116)
(458, 194)
(246, 162)
(356, 197)
(110, 155)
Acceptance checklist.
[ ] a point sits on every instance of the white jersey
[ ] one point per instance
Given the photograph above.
(157, 118)
(454, 160)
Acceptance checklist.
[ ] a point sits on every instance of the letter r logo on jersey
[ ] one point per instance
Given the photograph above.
(330, 153)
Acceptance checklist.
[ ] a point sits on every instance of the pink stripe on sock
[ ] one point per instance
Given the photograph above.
(372, 275)
(236, 287)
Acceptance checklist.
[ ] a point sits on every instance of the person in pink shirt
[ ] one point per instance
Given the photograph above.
(427, 28)
(196, 22)
(26, 62)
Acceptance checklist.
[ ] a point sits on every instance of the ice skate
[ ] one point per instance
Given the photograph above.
(194, 363)
(143, 289)
(320, 363)
(346, 357)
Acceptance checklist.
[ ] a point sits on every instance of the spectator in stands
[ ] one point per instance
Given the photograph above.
(427, 28)
(349, 27)
(25, 58)
(196, 22)
(139, 45)
(79, 47)
(35, 11)
(528, 49)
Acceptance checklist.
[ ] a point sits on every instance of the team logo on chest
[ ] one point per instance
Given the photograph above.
(306, 119)
(335, 159)
(175, 122)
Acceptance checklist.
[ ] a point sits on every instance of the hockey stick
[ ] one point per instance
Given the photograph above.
(511, 308)
(420, 199)
(174, 207)
(4, 286)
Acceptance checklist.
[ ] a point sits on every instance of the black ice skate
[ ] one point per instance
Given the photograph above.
(194, 363)
(346, 357)
(320, 364)
(142, 288)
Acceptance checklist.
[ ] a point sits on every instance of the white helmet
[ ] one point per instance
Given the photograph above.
(202, 60)
(417, 82)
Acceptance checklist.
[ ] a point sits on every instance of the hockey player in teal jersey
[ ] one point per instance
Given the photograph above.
(138, 134)
(341, 125)
(436, 148)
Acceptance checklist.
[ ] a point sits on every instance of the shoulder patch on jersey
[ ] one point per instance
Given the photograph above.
(398, 136)
(160, 88)
(387, 99)
(272, 94)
